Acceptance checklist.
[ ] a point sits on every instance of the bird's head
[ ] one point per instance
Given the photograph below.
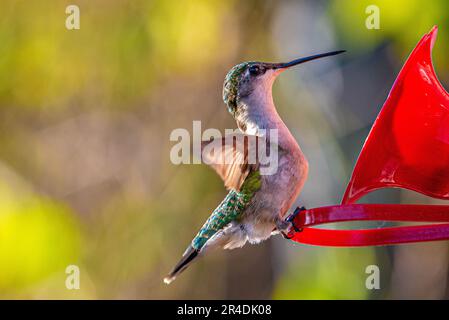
(253, 78)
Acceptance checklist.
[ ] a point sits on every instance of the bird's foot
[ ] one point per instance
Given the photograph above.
(287, 227)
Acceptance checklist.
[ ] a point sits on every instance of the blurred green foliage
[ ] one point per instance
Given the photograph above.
(114, 58)
(401, 21)
(330, 274)
(38, 237)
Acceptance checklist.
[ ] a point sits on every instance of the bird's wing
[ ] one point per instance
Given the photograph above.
(233, 157)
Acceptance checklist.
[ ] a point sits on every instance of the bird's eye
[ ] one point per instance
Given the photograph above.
(254, 70)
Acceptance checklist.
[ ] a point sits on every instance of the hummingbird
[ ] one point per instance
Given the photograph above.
(256, 205)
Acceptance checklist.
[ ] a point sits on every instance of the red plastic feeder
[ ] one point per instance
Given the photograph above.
(407, 147)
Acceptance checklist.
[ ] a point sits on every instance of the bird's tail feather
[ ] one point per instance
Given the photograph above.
(189, 255)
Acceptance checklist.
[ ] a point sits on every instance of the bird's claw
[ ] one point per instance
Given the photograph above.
(287, 236)
(294, 227)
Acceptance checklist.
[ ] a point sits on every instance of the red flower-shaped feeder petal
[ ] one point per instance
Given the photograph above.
(408, 146)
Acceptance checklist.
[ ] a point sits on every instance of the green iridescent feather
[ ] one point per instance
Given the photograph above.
(229, 210)
(231, 85)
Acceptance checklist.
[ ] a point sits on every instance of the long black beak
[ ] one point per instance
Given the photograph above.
(295, 62)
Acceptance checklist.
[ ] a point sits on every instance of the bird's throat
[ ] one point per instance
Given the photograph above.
(257, 115)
